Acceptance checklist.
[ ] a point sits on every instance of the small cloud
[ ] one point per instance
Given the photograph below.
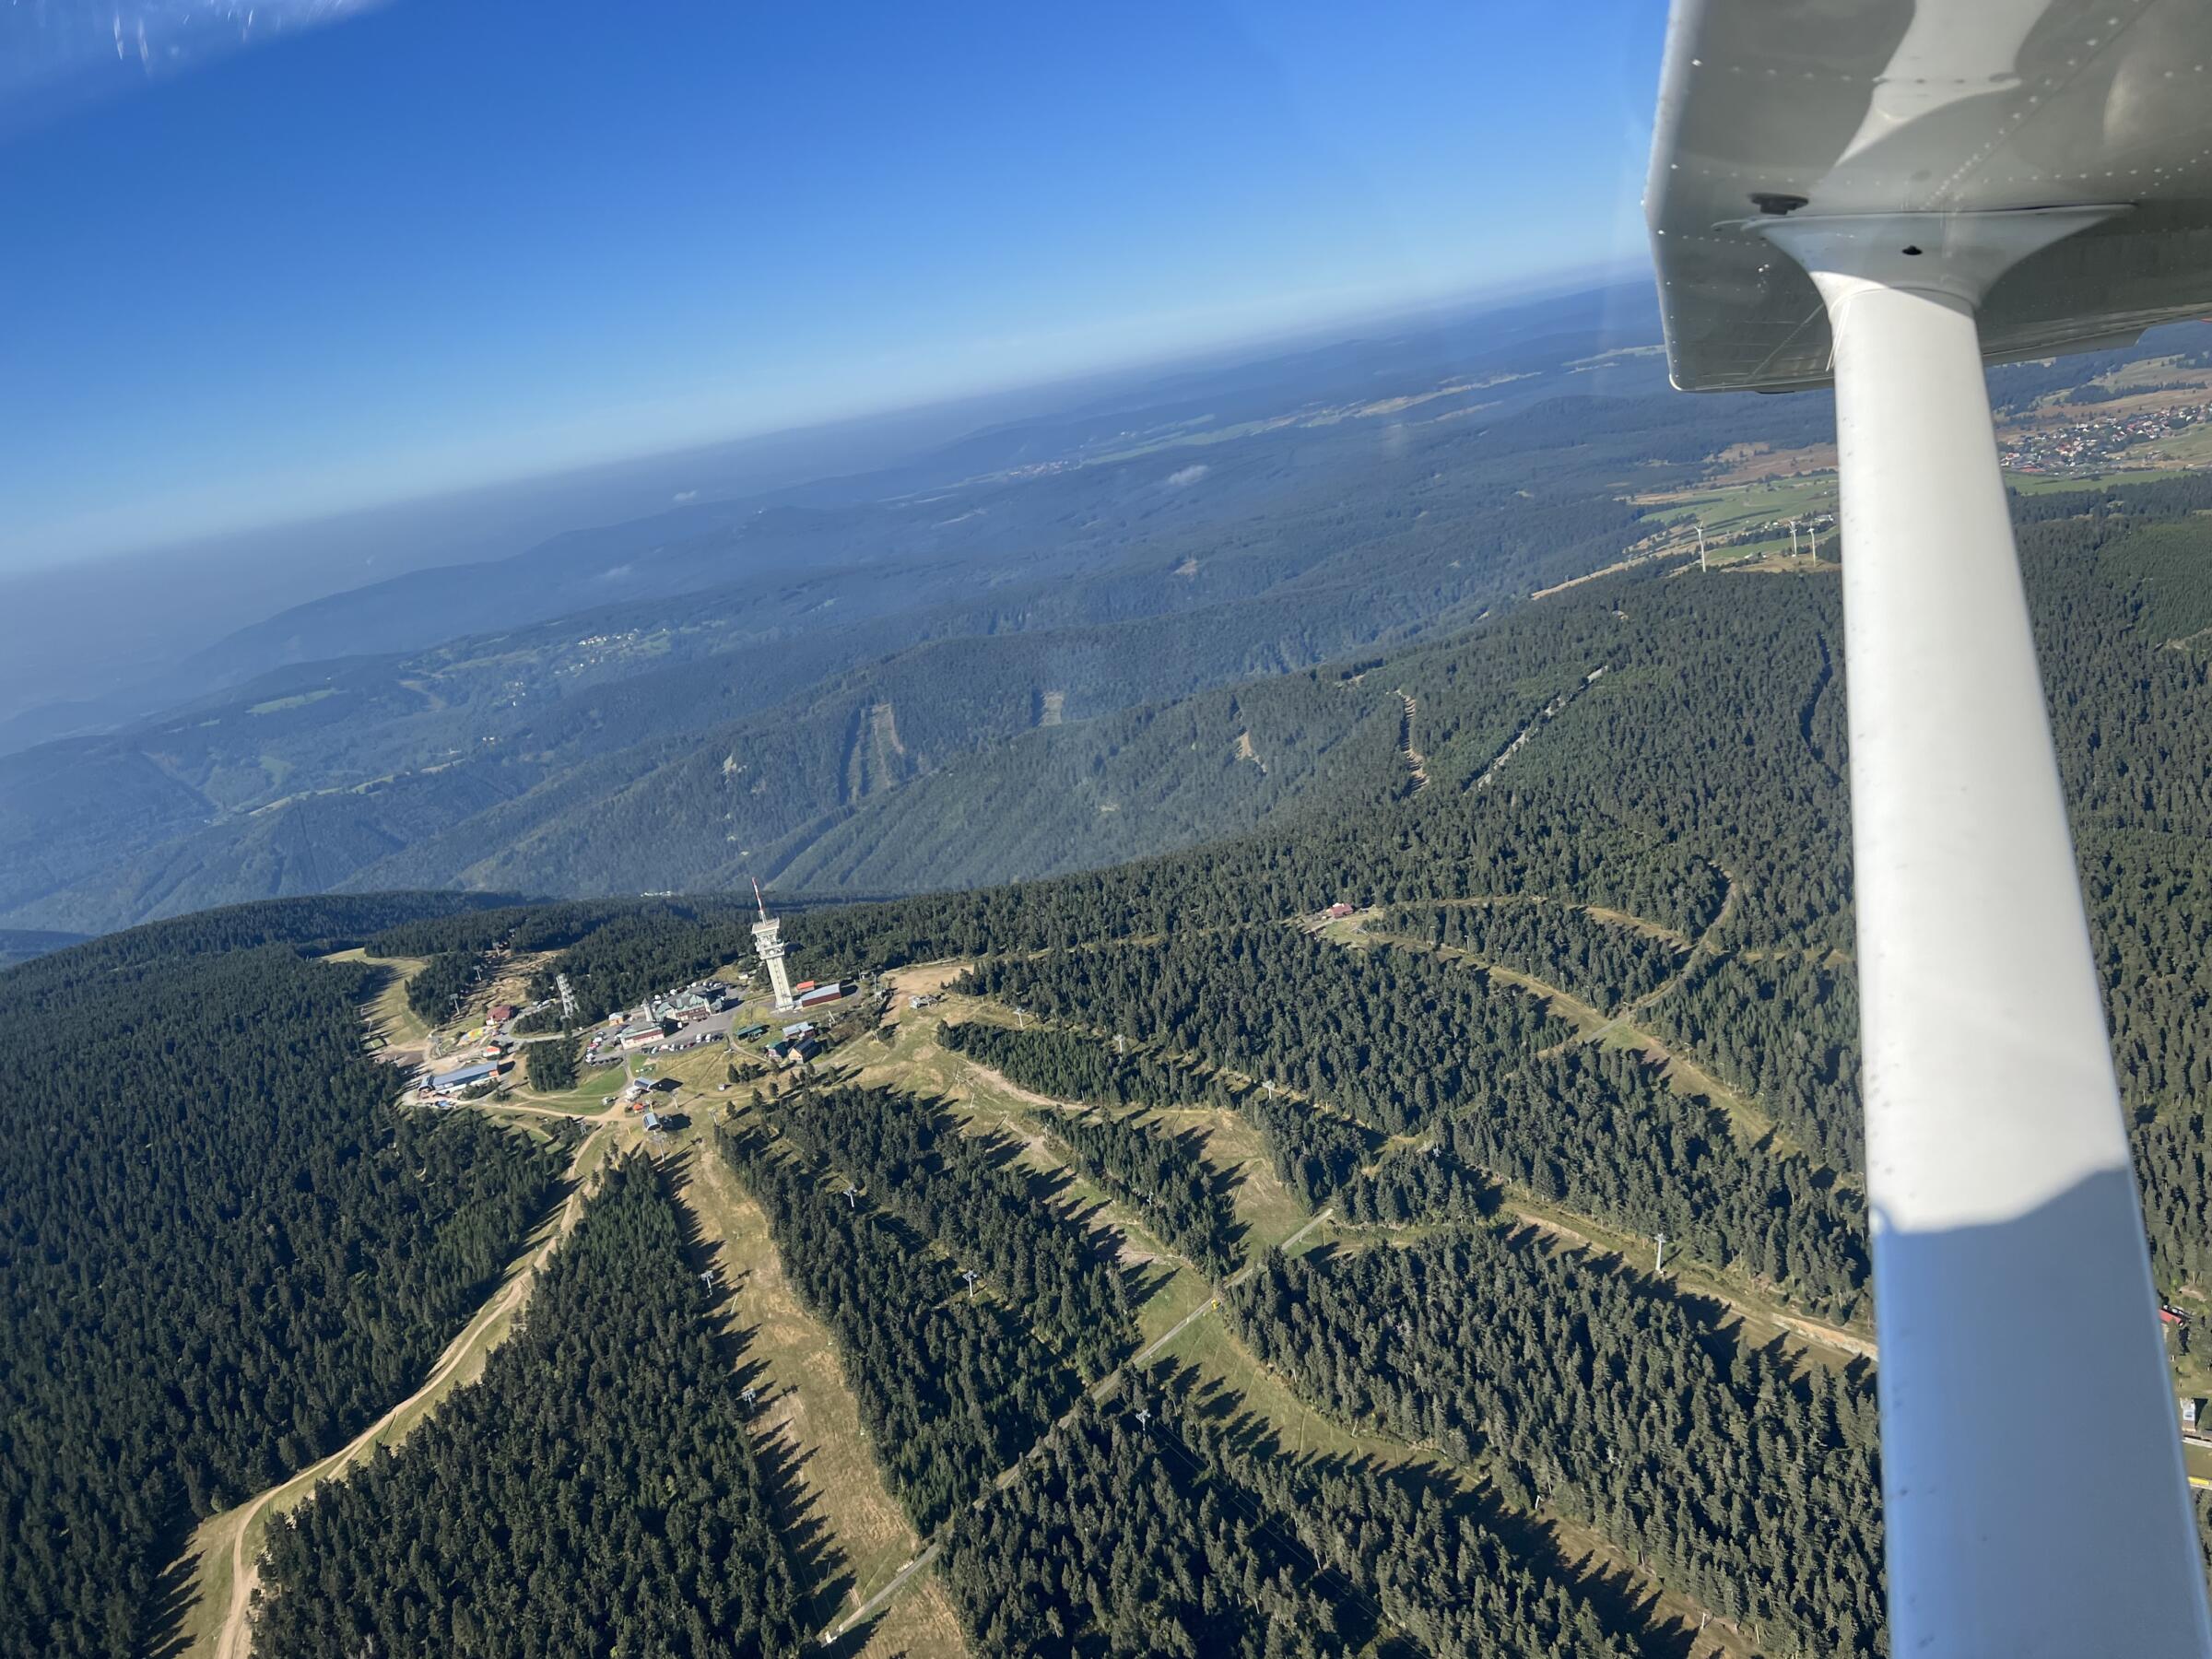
(615, 572)
(1189, 474)
(686, 495)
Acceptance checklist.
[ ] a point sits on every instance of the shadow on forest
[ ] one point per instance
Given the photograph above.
(1623, 1603)
(1717, 1323)
(174, 1597)
(824, 1571)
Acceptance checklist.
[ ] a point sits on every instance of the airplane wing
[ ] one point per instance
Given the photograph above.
(1885, 195)
(1880, 106)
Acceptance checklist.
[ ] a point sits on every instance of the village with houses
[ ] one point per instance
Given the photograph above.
(2133, 438)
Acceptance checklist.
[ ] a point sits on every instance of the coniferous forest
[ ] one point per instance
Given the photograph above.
(596, 1493)
(1602, 1399)
(225, 1253)
(1182, 1197)
(1682, 818)
(951, 1388)
(970, 1195)
(1487, 1031)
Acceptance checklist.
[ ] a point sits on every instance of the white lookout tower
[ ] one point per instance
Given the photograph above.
(769, 942)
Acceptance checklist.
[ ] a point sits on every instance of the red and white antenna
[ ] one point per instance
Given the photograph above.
(760, 902)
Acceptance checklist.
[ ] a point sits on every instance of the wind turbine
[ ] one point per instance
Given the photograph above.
(970, 1274)
(1882, 198)
(852, 1196)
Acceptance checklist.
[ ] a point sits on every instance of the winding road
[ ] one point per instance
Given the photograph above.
(235, 1640)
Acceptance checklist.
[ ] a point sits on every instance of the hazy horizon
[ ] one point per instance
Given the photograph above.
(160, 603)
(417, 253)
(947, 411)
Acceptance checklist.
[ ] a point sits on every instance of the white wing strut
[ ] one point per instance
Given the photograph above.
(1926, 172)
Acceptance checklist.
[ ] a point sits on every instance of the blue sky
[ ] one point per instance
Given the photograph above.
(448, 240)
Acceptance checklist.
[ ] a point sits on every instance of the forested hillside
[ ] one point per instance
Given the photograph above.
(1373, 1116)
(1607, 1402)
(659, 705)
(224, 1252)
(951, 1388)
(614, 727)
(1069, 798)
(1596, 971)
(969, 1195)
(596, 1492)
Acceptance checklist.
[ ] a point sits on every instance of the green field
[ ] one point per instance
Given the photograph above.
(1738, 507)
(2057, 484)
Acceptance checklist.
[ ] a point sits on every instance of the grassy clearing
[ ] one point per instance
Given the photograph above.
(1205, 1346)
(388, 1016)
(1732, 509)
(2059, 483)
(808, 1410)
(588, 1098)
(1231, 1143)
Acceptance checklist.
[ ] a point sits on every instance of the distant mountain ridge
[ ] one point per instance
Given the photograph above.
(680, 699)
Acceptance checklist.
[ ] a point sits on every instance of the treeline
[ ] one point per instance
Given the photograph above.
(1394, 1037)
(1754, 1489)
(595, 1493)
(444, 980)
(650, 946)
(328, 923)
(223, 1254)
(1068, 1066)
(459, 948)
(524, 927)
(1162, 1175)
(971, 1195)
(951, 1388)
(1605, 963)
(1784, 1029)
(1313, 1150)
(1415, 1550)
(1599, 1131)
